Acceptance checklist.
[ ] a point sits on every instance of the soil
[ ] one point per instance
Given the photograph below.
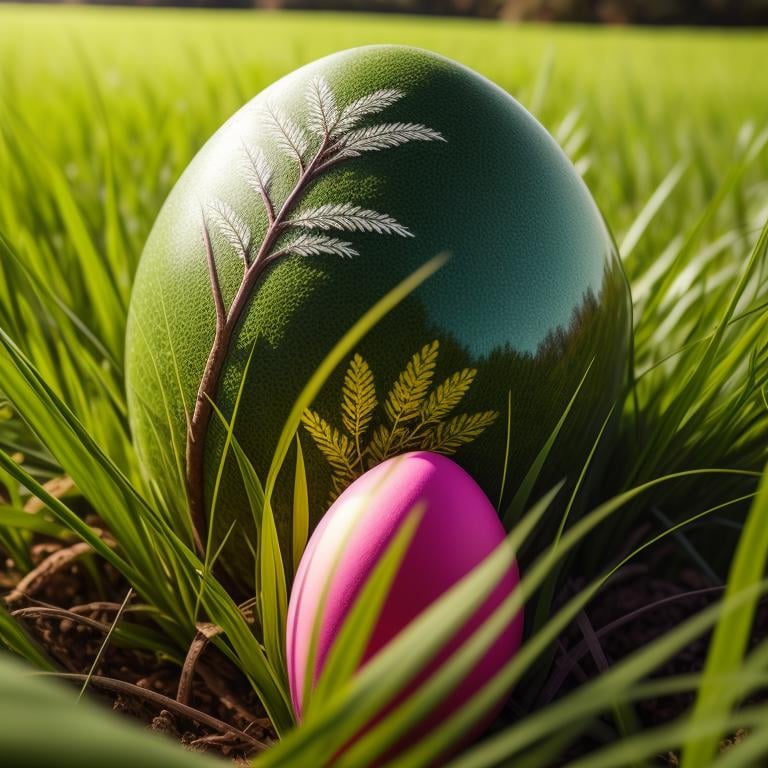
(91, 591)
(635, 608)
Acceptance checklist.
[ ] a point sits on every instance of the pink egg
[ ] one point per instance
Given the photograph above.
(458, 529)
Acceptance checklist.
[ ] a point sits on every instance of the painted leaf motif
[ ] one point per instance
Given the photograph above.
(358, 397)
(334, 445)
(289, 138)
(232, 227)
(410, 389)
(448, 437)
(334, 135)
(315, 245)
(447, 395)
(348, 217)
(379, 446)
(370, 104)
(258, 173)
(384, 136)
(321, 103)
(416, 416)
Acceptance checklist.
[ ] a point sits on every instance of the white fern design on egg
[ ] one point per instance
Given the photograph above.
(332, 134)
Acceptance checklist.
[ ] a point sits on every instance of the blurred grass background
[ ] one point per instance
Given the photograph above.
(167, 78)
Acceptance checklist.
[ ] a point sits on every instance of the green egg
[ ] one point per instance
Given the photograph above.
(304, 209)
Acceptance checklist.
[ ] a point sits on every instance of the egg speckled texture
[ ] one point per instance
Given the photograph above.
(305, 208)
(457, 530)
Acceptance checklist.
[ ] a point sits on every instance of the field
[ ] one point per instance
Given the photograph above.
(101, 112)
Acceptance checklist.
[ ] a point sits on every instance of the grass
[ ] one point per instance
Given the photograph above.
(103, 109)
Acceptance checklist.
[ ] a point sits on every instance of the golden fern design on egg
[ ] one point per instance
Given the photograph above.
(416, 417)
(332, 134)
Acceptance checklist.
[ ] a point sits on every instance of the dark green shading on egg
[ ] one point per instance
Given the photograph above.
(533, 291)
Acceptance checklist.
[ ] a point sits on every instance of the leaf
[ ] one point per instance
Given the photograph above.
(333, 444)
(369, 104)
(271, 583)
(520, 499)
(14, 638)
(348, 217)
(358, 397)
(379, 445)
(258, 172)
(447, 395)
(323, 113)
(410, 389)
(14, 518)
(289, 138)
(232, 227)
(732, 634)
(655, 202)
(85, 734)
(384, 136)
(315, 245)
(447, 438)
(300, 520)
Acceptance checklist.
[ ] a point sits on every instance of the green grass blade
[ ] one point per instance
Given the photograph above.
(591, 699)
(731, 636)
(651, 208)
(271, 587)
(672, 420)
(523, 493)
(300, 519)
(16, 640)
(74, 735)
(20, 519)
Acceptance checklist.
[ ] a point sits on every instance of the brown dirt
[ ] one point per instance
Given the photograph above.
(91, 589)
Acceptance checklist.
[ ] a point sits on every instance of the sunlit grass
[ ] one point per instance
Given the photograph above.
(101, 112)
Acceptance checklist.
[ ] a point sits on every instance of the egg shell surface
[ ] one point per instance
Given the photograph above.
(458, 530)
(446, 162)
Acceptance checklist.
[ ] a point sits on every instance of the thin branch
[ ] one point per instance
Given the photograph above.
(196, 648)
(61, 613)
(341, 139)
(164, 702)
(97, 606)
(213, 681)
(52, 564)
(225, 327)
(58, 487)
(218, 299)
(596, 650)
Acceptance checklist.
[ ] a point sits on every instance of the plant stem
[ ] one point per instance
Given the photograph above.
(226, 323)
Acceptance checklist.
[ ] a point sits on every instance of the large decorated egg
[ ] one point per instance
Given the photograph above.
(305, 208)
(457, 529)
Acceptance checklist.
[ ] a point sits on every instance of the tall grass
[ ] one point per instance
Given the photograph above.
(103, 109)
